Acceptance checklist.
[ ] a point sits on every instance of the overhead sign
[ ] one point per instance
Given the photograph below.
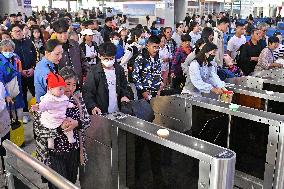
(139, 9)
(27, 4)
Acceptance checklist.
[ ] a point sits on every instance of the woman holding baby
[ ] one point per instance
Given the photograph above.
(60, 138)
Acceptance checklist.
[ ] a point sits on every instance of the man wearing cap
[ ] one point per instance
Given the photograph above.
(89, 47)
(72, 54)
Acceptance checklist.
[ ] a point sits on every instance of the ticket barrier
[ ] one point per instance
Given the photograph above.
(270, 97)
(111, 148)
(272, 73)
(256, 136)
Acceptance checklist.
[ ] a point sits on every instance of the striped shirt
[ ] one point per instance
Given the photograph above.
(279, 52)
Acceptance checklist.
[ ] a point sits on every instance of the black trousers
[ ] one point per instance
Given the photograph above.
(2, 149)
(66, 164)
(27, 84)
(178, 83)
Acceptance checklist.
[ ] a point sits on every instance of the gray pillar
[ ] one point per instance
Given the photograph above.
(68, 6)
(50, 3)
(180, 8)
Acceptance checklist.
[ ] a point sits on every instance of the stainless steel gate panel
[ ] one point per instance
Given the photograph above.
(275, 96)
(273, 73)
(216, 164)
(255, 82)
(270, 122)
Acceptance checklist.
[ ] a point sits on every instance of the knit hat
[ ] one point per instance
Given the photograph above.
(55, 80)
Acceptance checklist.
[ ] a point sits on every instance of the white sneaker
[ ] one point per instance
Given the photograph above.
(26, 119)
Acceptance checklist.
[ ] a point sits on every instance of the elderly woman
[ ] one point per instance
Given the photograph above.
(10, 76)
(66, 157)
(266, 58)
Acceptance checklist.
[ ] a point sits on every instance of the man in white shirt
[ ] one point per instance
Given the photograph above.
(237, 40)
(218, 39)
(105, 87)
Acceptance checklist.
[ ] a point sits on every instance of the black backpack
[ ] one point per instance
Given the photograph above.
(138, 108)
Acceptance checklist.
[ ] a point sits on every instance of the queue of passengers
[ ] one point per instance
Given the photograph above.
(75, 73)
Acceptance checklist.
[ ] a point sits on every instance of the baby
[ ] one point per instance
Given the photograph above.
(53, 106)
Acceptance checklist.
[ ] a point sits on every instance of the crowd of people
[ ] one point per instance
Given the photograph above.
(78, 72)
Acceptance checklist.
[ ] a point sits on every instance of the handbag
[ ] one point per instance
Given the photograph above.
(138, 108)
(17, 128)
(13, 87)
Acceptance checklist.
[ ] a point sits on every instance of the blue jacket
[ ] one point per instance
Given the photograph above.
(7, 72)
(42, 69)
(119, 52)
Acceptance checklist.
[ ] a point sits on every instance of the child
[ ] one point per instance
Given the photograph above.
(165, 56)
(53, 106)
(229, 70)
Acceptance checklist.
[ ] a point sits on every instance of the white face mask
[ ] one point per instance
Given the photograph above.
(115, 42)
(108, 63)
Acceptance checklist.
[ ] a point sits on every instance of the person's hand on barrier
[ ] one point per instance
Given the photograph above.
(146, 95)
(124, 99)
(173, 75)
(69, 124)
(96, 111)
(9, 100)
(276, 65)
(217, 91)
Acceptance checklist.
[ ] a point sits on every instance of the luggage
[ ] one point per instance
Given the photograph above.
(17, 134)
(138, 108)
(168, 91)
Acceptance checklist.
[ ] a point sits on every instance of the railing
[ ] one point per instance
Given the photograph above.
(38, 166)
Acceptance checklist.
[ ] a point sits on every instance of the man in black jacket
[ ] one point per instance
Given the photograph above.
(72, 56)
(107, 29)
(249, 53)
(106, 85)
(25, 49)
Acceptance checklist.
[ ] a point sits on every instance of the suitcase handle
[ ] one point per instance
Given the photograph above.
(10, 112)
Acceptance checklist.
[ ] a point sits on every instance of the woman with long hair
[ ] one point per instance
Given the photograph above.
(203, 77)
(38, 40)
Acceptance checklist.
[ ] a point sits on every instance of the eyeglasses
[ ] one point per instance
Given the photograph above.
(107, 58)
(17, 31)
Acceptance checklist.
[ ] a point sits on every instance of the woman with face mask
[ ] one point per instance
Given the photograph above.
(132, 50)
(98, 97)
(10, 76)
(115, 39)
(203, 77)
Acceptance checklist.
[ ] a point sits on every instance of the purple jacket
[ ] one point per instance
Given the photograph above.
(179, 58)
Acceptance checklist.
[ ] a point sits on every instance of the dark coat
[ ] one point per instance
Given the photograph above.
(26, 50)
(72, 52)
(105, 33)
(95, 89)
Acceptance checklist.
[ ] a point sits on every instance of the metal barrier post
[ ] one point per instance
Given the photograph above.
(38, 166)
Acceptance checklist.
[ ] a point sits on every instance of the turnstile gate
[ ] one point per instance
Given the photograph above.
(111, 147)
(256, 136)
(260, 93)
